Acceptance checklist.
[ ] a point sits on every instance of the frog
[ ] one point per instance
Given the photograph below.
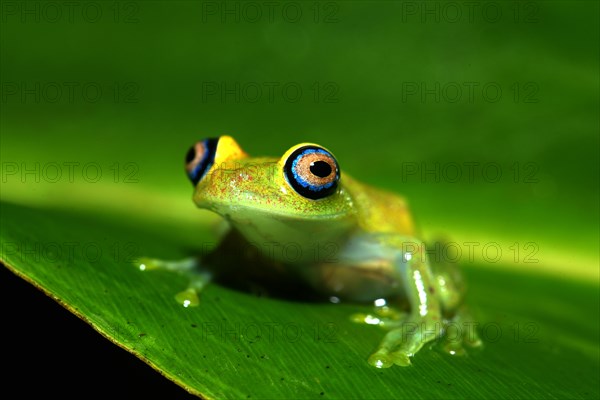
(302, 201)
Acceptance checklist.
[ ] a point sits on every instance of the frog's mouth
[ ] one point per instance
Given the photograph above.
(276, 223)
(235, 213)
(275, 204)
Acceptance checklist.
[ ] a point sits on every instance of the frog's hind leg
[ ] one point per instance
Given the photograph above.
(460, 332)
(190, 268)
(424, 322)
(394, 267)
(447, 278)
(459, 329)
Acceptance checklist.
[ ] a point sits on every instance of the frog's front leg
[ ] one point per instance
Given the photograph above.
(390, 266)
(190, 268)
(424, 323)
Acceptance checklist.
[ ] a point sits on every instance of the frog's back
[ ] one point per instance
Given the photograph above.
(379, 210)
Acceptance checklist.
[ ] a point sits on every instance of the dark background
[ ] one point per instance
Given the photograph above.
(66, 357)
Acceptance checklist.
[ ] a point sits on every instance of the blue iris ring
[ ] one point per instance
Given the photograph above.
(300, 184)
(207, 161)
(304, 183)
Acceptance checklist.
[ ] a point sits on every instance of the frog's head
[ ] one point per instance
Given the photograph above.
(304, 184)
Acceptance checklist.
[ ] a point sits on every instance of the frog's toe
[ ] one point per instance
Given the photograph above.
(380, 359)
(401, 358)
(453, 348)
(188, 298)
(473, 342)
(371, 319)
(147, 263)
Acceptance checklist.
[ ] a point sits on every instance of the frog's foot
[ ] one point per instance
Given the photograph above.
(460, 333)
(401, 343)
(456, 342)
(452, 346)
(386, 356)
(384, 359)
(189, 297)
(189, 268)
(384, 316)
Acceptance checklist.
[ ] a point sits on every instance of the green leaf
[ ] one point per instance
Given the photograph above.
(540, 333)
(378, 89)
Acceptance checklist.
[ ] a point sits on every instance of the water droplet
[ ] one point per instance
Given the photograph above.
(380, 302)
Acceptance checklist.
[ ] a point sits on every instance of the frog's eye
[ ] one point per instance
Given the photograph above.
(312, 172)
(199, 158)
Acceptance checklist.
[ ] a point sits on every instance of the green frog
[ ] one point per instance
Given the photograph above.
(349, 241)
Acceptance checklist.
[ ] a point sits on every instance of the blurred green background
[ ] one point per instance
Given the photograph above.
(394, 89)
(484, 115)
